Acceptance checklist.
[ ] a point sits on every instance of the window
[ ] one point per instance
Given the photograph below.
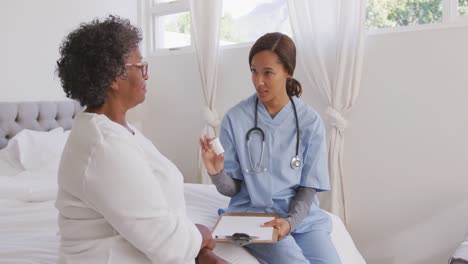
(382, 14)
(173, 29)
(155, 2)
(463, 7)
(397, 13)
(247, 20)
(170, 24)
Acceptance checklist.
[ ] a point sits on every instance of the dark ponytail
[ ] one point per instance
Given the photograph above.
(293, 87)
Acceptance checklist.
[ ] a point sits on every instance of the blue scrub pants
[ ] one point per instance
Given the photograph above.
(314, 247)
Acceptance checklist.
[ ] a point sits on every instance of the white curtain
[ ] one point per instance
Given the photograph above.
(206, 19)
(329, 35)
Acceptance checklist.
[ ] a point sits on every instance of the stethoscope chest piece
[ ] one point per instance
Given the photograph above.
(296, 163)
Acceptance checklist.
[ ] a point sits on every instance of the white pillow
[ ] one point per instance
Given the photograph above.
(8, 165)
(37, 150)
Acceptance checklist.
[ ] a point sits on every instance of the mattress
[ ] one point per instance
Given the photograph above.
(29, 230)
(461, 253)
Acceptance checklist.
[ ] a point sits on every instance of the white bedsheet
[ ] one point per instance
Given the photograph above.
(461, 253)
(29, 187)
(28, 230)
(203, 202)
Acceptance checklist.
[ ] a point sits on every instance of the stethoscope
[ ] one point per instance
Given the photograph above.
(295, 161)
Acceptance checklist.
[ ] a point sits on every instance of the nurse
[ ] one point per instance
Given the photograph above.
(275, 158)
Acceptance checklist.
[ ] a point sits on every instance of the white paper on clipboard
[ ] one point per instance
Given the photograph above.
(250, 225)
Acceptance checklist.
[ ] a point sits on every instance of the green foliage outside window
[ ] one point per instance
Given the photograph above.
(396, 13)
(227, 31)
(181, 25)
(463, 7)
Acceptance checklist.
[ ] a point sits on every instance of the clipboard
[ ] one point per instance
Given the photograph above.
(244, 228)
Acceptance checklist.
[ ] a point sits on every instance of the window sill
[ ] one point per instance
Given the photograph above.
(457, 23)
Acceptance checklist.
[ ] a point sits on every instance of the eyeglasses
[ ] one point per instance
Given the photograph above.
(143, 67)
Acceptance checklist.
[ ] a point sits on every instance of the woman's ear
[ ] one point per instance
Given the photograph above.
(115, 84)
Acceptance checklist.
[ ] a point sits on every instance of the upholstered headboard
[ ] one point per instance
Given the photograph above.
(40, 116)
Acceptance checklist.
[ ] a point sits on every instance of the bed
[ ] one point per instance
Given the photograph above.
(460, 256)
(32, 136)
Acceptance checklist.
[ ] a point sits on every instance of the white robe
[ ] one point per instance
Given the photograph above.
(120, 200)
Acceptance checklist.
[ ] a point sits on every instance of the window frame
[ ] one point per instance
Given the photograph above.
(450, 19)
(250, 43)
(149, 10)
(152, 10)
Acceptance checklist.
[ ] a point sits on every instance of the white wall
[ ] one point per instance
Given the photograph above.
(406, 153)
(406, 159)
(174, 114)
(31, 33)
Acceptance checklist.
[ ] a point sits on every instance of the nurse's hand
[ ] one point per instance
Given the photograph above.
(214, 164)
(281, 224)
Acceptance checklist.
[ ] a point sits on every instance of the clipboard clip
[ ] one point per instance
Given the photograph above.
(241, 239)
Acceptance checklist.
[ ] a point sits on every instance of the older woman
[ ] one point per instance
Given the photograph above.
(119, 200)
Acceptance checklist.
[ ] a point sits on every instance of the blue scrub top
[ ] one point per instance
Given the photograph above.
(273, 190)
